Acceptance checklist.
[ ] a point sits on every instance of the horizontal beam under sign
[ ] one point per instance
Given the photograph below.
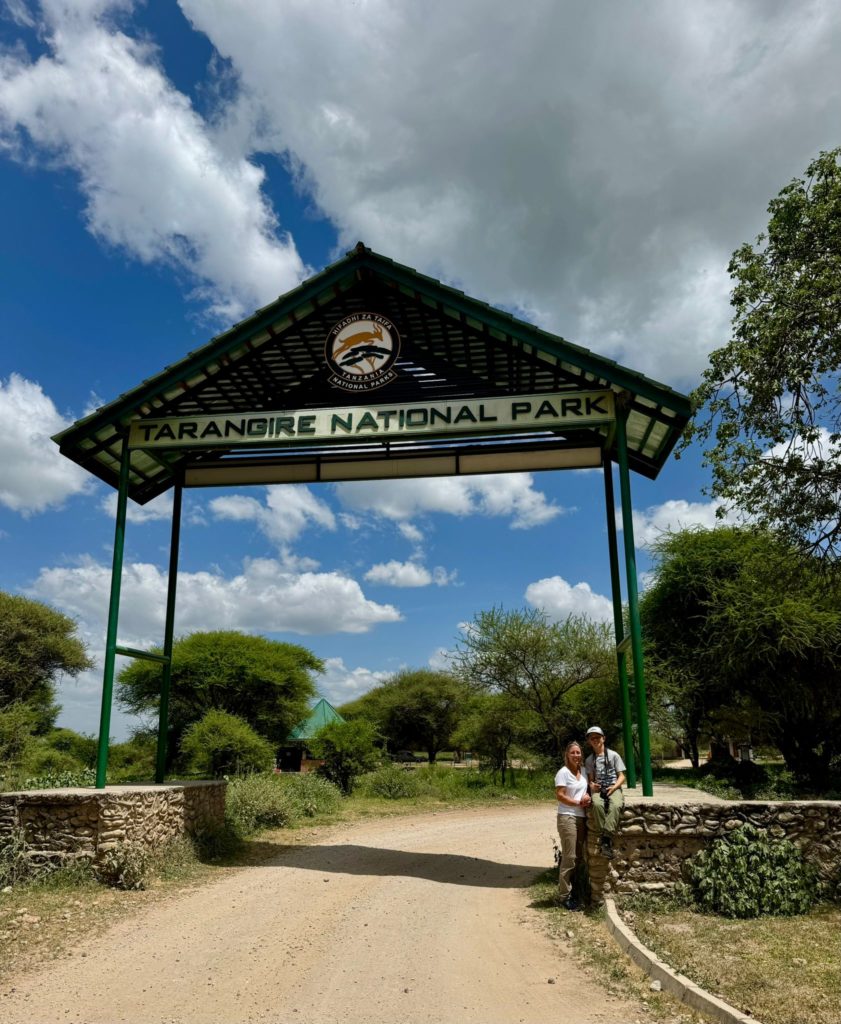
(132, 652)
(229, 474)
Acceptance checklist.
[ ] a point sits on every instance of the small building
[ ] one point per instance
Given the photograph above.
(294, 756)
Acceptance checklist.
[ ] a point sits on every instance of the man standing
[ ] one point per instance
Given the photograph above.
(605, 772)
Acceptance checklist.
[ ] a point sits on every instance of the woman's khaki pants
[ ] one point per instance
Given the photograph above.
(573, 833)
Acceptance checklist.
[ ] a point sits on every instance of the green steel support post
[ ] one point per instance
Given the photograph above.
(113, 616)
(618, 625)
(166, 680)
(633, 603)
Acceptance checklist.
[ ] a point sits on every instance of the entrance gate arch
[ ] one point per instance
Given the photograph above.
(370, 370)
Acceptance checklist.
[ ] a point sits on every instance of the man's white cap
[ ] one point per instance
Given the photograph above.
(596, 729)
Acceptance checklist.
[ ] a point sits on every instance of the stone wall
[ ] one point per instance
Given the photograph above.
(655, 840)
(66, 824)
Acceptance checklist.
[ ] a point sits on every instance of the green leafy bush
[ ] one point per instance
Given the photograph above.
(74, 778)
(392, 783)
(43, 760)
(347, 750)
(311, 794)
(15, 865)
(748, 873)
(79, 745)
(133, 760)
(222, 744)
(258, 801)
(127, 866)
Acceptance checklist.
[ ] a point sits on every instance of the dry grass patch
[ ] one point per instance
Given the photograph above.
(780, 969)
(585, 943)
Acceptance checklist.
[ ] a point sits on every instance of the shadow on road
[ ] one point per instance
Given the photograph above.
(448, 868)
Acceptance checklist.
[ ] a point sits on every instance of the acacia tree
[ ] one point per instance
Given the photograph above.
(535, 662)
(267, 683)
(493, 723)
(37, 645)
(347, 749)
(415, 708)
(742, 615)
(771, 398)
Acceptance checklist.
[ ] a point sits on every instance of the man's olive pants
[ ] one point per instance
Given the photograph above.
(607, 824)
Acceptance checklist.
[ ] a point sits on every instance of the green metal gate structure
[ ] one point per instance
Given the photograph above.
(370, 370)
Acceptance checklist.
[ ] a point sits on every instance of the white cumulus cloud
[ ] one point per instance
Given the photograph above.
(340, 684)
(507, 495)
(35, 475)
(591, 166)
(264, 598)
(408, 574)
(560, 599)
(672, 516)
(289, 509)
(156, 182)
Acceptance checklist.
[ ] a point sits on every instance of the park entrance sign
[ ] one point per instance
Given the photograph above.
(370, 370)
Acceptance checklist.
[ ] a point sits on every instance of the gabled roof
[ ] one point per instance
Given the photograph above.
(322, 714)
(452, 346)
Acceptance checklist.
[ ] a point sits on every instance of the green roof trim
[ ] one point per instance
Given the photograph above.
(322, 714)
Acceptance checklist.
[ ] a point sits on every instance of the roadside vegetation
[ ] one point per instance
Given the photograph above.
(781, 969)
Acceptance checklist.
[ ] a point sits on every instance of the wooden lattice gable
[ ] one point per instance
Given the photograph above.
(451, 347)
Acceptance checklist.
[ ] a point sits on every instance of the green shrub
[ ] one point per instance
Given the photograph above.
(76, 778)
(17, 723)
(78, 745)
(43, 760)
(222, 744)
(127, 866)
(15, 865)
(133, 760)
(348, 751)
(392, 783)
(748, 873)
(258, 801)
(311, 794)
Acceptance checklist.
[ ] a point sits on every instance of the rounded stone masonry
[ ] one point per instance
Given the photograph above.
(60, 825)
(655, 840)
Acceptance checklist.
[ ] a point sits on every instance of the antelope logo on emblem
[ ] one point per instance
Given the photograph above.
(360, 352)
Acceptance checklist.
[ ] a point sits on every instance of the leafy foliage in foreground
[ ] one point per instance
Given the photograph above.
(771, 394)
(750, 874)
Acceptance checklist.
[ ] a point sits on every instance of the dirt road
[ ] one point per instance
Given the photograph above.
(401, 921)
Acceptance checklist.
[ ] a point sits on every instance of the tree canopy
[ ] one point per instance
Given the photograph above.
(415, 708)
(733, 614)
(771, 399)
(37, 645)
(347, 749)
(535, 662)
(267, 683)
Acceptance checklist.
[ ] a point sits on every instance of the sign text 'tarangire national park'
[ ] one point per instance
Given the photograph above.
(469, 416)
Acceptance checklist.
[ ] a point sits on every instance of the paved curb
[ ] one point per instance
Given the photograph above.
(679, 985)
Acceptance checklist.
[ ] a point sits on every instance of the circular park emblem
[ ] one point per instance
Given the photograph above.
(361, 350)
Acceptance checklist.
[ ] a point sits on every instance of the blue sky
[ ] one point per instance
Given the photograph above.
(167, 167)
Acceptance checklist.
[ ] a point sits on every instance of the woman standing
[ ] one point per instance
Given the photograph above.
(573, 798)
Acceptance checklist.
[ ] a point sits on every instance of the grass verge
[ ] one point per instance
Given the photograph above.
(585, 939)
(780, 969)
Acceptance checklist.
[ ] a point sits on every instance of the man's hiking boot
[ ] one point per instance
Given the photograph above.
(606, 846)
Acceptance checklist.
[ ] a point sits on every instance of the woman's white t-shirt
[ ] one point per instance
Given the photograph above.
(575, 789)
